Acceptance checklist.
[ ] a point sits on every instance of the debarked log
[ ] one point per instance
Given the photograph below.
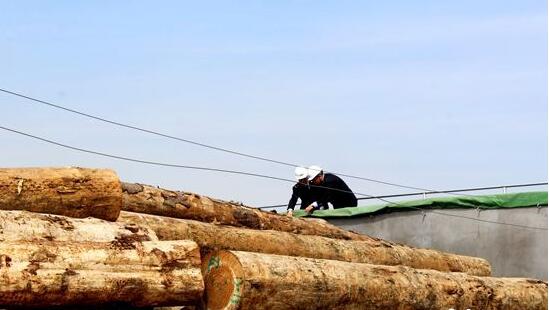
(157, 201)
(244, 280)
(30, 226)
(151, 273)
(210, 236)
(74, 192)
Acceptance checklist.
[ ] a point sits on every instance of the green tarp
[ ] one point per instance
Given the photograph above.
(516, 200)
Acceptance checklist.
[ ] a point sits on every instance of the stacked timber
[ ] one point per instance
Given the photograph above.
(215, 237)
(259, 260)
(244, 280)
(68, 252)
(74, 192)
(30, 226)
(157, 201)
(59, 273)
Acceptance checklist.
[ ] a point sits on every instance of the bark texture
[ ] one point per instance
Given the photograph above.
(24, 225)
(74, 192)
(152, 273)
(243, 280)
(151, 200)
(210, 236)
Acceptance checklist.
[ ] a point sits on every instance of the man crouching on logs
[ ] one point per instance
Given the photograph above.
(301, 190)
(329, 188)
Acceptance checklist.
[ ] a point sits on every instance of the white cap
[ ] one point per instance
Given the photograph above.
(301, 173)
(314, 171)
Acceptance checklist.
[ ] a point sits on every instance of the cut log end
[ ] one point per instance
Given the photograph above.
(222, 280)
(221, 285)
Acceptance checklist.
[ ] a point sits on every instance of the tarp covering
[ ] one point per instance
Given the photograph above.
(515, 200)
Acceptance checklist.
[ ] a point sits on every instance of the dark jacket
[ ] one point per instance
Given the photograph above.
(303, 192)
(335, 191)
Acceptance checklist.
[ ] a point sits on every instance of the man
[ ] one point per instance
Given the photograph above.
(300, 190)
(330, 189)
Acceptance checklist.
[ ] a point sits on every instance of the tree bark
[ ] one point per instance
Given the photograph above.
(74, 192)
(29, 226)
(151, 200)
(244, 280)
(210, 236)
(151, 273)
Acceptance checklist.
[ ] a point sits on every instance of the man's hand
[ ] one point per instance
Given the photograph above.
(290, 213)
(310, 208)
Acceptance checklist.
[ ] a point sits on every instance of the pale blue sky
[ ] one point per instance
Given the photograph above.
(427, 93)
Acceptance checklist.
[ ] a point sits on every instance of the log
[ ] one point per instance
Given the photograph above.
(30, 226)
(244, 280)
(157, 201)
(49, 274)
(211, 237)
(74, 192)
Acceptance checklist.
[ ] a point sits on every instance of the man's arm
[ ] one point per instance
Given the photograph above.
(292, 202)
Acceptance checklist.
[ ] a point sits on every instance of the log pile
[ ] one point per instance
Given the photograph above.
(215, 237)
(243, 280)
(157, 201)
(75, 237)
(57, 273)
(74, 192)
(30, 226)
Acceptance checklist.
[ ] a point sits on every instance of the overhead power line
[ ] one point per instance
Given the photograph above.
(430, 193)
(155, 163)
(202, 144)
(145, 130)
(486, 221)
(235, 172)
(142, 161)
(463, 190)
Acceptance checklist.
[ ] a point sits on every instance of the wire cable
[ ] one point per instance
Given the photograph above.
(148, 162)
(142, 161)
(203, 144)
(430, 193)
(145, 130)
(234, 172)
(481, 220)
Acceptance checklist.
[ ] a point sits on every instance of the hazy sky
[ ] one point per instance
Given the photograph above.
(436, 94)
